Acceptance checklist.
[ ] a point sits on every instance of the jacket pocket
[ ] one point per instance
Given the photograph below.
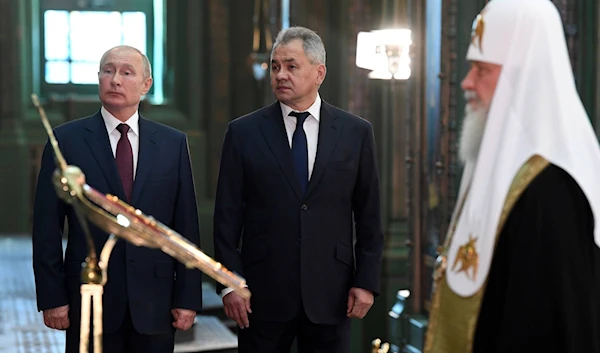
(341, 165)
(164, 269)
(344, 254)
(254, 253)
(162, 178)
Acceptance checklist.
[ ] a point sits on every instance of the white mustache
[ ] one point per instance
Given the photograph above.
(471, 95)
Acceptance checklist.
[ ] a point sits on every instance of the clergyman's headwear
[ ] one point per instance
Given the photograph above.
(535, 110)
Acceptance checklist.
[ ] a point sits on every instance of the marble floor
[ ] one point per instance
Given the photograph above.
(22, 328)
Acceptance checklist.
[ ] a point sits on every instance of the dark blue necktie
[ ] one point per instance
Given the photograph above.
(300, 150)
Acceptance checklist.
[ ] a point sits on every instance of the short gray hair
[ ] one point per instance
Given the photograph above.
(146, 67)
(312, 43)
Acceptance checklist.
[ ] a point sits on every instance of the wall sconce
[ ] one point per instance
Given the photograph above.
(385, 52)
(260, 65)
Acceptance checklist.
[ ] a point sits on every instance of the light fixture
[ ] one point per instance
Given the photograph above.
(385, 52)
(261, 50)
(260, 65)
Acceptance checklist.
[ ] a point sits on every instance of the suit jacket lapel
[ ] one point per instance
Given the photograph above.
(99, 144)
(273, 130)
(329, 133)
(146, 157)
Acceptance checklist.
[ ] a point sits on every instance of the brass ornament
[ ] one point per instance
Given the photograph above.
(469, 258)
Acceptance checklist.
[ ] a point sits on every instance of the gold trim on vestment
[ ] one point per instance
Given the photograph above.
(453, 319)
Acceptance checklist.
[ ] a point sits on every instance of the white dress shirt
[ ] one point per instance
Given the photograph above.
(114, 135)
(311, 129)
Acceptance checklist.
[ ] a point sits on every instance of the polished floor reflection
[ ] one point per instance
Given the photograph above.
(22, 328)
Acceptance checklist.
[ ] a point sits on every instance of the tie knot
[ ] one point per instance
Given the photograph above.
(300, 116)
(123, 128)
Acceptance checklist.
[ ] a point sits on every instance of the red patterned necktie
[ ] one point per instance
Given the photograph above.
(124, 158)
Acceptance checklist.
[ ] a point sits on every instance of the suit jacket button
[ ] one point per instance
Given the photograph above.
(304, 207)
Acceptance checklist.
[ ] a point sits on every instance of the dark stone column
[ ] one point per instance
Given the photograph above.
(16, 178)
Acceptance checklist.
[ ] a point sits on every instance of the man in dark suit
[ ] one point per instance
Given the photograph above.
(148, 293)
(297, 178)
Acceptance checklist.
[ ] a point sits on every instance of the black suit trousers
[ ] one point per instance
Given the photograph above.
(278, 337)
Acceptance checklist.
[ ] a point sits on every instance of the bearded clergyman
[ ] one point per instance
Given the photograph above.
(520, 267)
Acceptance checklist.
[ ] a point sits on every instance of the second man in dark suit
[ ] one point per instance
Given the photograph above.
(297, 178)
(148, 293)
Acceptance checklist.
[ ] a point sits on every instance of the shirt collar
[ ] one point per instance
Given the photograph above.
(111, 122)
(314, 109)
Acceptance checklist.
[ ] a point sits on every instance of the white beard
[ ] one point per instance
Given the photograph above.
(472, 131)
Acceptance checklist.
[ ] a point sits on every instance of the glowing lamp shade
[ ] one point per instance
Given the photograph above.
(385, 52)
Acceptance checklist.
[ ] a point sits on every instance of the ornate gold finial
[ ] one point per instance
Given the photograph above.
(469, 258)
(376, 343)
(477, 31)
(378, 347)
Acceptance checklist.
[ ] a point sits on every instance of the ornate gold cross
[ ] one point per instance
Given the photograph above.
(477, 31)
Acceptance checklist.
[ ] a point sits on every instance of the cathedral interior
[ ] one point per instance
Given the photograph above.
(210, 64)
